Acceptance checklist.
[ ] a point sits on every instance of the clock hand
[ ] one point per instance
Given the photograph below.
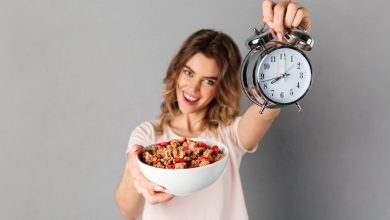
(271, 79)
(276, 79)
(284, 64)
(285, 74)
(288, 69)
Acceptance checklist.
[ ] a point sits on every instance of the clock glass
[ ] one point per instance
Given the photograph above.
(284, 75)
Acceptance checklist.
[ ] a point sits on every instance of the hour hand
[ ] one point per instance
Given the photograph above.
(284, 75)
(276, 79)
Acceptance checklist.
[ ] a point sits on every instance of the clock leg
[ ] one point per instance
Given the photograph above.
(298, 107)
(262, 108)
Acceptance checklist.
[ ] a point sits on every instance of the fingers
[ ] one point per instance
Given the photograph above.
(138, 178)
(285, 15)
(268, 12)
(156, 197)
(141, 181)
(302, 19)
(159, 198)
(150, 191)
(278, 20)
(291, 12)
(136, 149)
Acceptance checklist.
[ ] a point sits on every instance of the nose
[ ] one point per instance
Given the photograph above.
(195, 85)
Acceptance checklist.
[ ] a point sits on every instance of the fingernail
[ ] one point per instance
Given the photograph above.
(158, 188)
(270, 24)
(280, 36)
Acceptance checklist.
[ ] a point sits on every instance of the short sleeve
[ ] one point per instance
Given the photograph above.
(142, 135)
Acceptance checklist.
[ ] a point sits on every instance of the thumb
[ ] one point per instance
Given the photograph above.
(136, 149)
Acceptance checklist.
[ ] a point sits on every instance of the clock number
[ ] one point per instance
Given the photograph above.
(273, 59)
(298, 85)
(265, 86)
(299, 65)
(266, 66)
(292, 59)
(282, 95)
(272, 92)
(261, 75)
(291, 92)
(283, 56)
(301, 75)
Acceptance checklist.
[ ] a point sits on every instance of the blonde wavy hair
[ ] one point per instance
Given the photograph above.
(226, 104)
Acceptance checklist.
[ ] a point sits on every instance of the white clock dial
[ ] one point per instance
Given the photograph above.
(284, 75)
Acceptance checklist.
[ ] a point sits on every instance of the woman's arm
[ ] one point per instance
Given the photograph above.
(253, 125)
(129, 201)
(280, 16)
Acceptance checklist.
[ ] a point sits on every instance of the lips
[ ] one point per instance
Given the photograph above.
(189, 99)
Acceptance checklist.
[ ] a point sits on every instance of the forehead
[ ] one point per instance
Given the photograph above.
(203, 65)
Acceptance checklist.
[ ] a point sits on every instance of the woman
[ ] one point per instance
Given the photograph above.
(201, 99)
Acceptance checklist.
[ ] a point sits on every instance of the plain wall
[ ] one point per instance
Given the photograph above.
(77, 76)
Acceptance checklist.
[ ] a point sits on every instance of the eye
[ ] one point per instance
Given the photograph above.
(209, 82)
(188, 73)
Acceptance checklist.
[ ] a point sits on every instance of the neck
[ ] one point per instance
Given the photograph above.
(189, 123)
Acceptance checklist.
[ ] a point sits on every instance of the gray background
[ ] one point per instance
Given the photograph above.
(77, 76)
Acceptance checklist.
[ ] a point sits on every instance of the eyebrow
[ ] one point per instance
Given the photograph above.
(207, 77)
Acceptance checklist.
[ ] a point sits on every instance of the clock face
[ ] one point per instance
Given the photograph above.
(284, 75)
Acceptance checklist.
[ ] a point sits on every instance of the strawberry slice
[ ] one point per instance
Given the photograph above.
(203, 145)
(191, 146)
(182, 140)
(210, 159)
(215, 149)
(180, 160)
(164, 143)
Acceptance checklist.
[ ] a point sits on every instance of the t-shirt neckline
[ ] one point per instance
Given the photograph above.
(170, 130)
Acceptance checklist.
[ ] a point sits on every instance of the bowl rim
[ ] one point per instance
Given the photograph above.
(225, 158)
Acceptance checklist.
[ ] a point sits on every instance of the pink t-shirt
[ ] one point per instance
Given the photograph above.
(223, 200)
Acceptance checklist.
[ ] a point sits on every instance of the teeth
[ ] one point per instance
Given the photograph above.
(191, 98)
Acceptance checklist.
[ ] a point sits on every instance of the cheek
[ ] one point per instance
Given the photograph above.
(180, 82)
(211, 93)
(177, 90)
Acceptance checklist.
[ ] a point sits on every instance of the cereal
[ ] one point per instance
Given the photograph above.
(181, 154)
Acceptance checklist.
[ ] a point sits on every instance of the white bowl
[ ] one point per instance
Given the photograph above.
(182, 182)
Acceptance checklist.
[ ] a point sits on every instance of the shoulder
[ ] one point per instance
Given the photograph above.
(146, 127)
(229, 129)
(143, 134)
(230, 125)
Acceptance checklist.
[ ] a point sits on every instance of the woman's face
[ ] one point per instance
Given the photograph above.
(197, 84)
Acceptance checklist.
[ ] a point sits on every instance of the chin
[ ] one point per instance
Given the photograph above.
(188, 109)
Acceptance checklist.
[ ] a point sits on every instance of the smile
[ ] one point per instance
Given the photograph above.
(189, 98)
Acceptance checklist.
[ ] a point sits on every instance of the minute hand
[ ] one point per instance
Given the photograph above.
(289, 69)
(276, 78)
(284, 75)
